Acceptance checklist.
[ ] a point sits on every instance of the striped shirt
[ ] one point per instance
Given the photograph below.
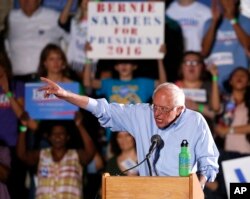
(60, 180)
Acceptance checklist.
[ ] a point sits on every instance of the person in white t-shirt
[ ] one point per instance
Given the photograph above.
(191, 16)
(30, 29)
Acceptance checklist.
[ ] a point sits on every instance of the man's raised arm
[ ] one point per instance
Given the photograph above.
(53, 88)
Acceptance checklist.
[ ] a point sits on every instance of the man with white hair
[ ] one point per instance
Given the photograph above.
(167, 117)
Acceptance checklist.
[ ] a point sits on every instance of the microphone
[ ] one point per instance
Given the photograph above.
(157, 142)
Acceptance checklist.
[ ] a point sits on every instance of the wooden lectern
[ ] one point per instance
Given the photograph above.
(140, 187)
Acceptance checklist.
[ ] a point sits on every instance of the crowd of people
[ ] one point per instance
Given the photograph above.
(203, 75)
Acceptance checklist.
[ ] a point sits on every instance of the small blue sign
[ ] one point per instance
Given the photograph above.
(53, 4)
(52, 108)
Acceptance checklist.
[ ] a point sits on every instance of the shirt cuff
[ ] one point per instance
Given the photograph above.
(91, 106)
(209, 173)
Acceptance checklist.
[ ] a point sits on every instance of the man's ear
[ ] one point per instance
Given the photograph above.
(180, 109)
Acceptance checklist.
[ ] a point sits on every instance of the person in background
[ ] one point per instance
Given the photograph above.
(202, 94)
(5, 160)
(53, 64)
(30, 29)
(233, 122)
(11, 102)
(167, 117)
(226, 39)
(191, 15)
(11, 109)
(77, 28)
(126, 88)
(174, 41)
(124, 157)
(59, 170)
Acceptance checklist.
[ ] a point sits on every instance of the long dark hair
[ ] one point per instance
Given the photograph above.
(229, 89)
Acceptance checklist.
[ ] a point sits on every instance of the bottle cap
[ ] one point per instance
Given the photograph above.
(184, 143)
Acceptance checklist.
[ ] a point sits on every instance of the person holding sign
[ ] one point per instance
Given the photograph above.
(77, 27)
(201, 94)
(226, 38)
(127, 88)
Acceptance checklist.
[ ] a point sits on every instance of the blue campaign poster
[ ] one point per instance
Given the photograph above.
(50, 108)
(53, 4)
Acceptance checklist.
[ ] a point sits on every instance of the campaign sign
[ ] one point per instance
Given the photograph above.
(126, 30)
(53, 4)
(236, 171)
(197, 95)
(59, 4)
(39, 107)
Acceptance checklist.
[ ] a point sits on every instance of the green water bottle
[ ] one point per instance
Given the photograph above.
(184, 159)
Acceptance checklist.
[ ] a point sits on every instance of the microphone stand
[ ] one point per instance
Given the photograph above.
(149, 167)
(122, 172)
(148, 162)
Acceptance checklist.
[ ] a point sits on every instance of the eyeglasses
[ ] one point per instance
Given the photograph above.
(191, 63)
(161, 109)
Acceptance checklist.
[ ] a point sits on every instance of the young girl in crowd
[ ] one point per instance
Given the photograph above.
(126, 88)
(60, 169)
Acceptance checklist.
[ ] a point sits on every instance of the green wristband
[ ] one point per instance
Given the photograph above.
(88, 61)
(201, 108)
(215, 78)
(9, 94)
(233, 21)
(23, 129)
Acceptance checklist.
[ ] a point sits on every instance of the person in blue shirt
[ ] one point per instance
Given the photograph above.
(167, 117)
(226, 39)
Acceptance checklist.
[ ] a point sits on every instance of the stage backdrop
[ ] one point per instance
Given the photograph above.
(127, 30)
(50, 108)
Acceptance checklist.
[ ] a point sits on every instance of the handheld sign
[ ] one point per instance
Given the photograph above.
(127, 30)
(39, 107)
(236, 171)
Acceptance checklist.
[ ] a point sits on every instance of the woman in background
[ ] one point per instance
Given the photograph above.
(124, 154)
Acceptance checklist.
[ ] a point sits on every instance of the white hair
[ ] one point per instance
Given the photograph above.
(177, 93)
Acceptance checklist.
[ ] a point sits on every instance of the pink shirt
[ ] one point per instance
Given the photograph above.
(237, 142)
